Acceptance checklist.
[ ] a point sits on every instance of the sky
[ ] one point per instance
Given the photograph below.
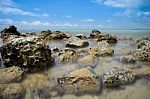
(75, 14)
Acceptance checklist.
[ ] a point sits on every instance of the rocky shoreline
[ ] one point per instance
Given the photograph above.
(26, 53)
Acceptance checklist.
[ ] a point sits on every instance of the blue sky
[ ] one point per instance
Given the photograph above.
(75, 14)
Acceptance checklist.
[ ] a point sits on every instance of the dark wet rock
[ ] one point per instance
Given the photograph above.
(77, 43)
(80, 81)
(89, 60)
(95, 34)
(109, 38)
(67, 55)
(29, 53)
(127, 59)
(11, 91)
(103, 49)
(11, 74)
(81, 36)
(11, 30)
(119, 76)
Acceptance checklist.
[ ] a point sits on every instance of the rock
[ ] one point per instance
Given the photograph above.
(119, 76)
(81, 36)
(80, 81)
(45, 34)
(89, 60)
(11, 30)
(142, 55)
(11, 91)
(11, 74)
(29, 53)
(67, 55)
(127, 59)
(103, 49)
(59, 35)
(95, 34)
(109, 38)
(77, 43)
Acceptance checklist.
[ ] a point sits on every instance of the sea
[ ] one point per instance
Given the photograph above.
(40, 85)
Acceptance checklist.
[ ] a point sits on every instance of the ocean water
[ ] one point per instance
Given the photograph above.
(42, 84)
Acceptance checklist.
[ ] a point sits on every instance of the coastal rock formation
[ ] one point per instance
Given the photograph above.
(119, 76)
(77, 43)
(109, 38)
(103, 49)
(29, 53)
(81, 36)
(89, 60)
(95, 34)
(11, 74)
(48, 35)
(127, 59)
(11, 91)
(80, 81)
(11, 30)
(67, 55)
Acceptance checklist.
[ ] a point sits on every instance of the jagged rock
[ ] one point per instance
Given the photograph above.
(89, 60)
(11, 30)
(11, 74)
(67, 55)
(45, 34)
(29, 53)
(77, 43)
(127, 59)
(80, 81)
(95, 34)
(11, 91)
(103, 49)
(81, 36)
(142, 55)
(119, 76)
(109, 38)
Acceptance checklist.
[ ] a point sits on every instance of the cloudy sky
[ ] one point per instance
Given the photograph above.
(75, 14)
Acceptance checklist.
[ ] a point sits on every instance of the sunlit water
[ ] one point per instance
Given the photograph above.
(43, 84)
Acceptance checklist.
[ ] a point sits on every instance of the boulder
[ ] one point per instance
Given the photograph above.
(77, 43)
(103, 49)
(11, 91)
(81, 81)
(45, 34)
(11, 74)
(89, 60)
(29, 53)
(67, 55)
(109, 38)
(119, 76)
(81, 36)
(127, 59)
(95, 34)
(11, 30)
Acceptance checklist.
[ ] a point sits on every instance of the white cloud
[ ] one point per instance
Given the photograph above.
(9, 7)
(37, 9)
(39, 23)
(143, 13)
(6, 21)
(126, 13)
(109, 21)
(88, 20)
(120, 3)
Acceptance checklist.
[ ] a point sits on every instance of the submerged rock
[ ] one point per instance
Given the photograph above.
(11, 30)
(119, 76)
(29, 53)
(77, 43)
(80, 81)
(89, 60)
(67, 55)
(127, 59)
(11, 91)
(103, 49)
(11, 74)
